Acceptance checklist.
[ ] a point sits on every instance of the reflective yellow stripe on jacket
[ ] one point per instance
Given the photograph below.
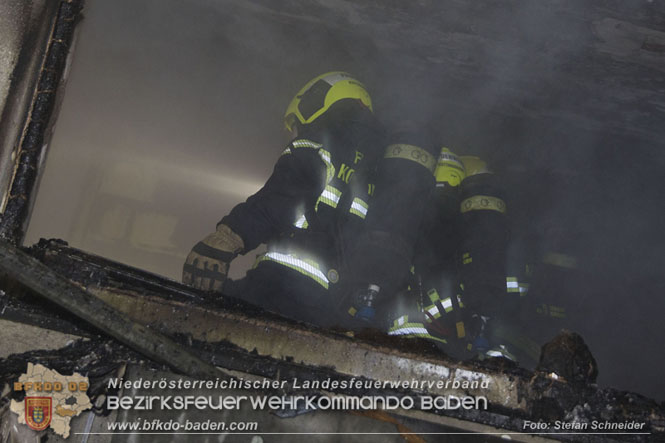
(305, 267)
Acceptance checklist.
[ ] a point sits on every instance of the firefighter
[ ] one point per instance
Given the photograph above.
(309, 211)
(381, 257)
(458, 280)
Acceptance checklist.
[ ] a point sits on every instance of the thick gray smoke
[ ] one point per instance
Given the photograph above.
(173, 115)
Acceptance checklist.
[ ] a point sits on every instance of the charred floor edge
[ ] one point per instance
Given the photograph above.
(246, 341)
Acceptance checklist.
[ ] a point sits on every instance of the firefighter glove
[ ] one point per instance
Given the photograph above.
(207, 265)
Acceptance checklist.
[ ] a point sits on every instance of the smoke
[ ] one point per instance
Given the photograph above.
(173, 115)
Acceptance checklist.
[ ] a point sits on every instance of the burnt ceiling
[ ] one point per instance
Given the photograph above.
(517, 75)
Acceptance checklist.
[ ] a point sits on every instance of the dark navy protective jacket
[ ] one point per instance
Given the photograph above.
(312, 207)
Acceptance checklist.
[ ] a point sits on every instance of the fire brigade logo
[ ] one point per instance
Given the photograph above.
(67, 398)
(38, 412)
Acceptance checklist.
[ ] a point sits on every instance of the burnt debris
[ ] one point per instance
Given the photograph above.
(229, 334)
(567, 356)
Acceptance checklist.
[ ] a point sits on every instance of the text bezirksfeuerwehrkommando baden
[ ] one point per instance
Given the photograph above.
(293, 402)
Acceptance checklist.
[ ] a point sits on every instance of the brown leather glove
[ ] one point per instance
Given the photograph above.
(207, 265)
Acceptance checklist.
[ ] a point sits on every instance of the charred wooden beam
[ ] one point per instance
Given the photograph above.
(30, 309)
(24, 167)
(38, 277)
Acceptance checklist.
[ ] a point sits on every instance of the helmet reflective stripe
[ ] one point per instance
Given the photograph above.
(306, 268)
(359, 207)
(320, 93)
(449, 169)
(447, 156)
(286, 151)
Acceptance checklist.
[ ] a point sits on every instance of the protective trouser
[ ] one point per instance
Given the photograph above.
(285, 291)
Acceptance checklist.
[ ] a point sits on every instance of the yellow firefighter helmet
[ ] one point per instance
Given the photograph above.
(449, 169)
(473, 165)
(319, 94)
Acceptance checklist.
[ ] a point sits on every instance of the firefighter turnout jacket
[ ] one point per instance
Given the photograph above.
(309, 212)
(459, 260)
